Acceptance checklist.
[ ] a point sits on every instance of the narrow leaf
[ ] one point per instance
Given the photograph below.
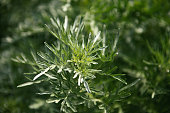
(52, 32)
(71, 106)
(129, 85)
(121, 80)
(50, 76)
(29, 83)
(60, 69)
(25, 84)
(52, 101)
(115, 42)
(34, 56)
(96, 38)
(40, 74)
(75, 75)
(79, 80)
(65, 23)
(49, 47)
(87, 87)
(44, 93)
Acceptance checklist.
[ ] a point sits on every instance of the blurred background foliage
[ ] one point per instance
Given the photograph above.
(143, 48)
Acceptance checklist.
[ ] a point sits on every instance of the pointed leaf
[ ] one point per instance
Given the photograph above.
(71, 106)
(76, 75)
(50, 76)
(29, 83)
(52, 101)
(65, 23)
(25, 84)
(129, 85)
(121, 80)
(87, 87)
(40, 74)
(96, 38)
(79, 80)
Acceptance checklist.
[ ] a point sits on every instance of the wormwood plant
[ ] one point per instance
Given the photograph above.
(78, 70)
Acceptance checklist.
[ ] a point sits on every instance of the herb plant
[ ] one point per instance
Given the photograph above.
(77, 69)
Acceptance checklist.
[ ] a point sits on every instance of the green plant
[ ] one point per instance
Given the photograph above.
(75, 56)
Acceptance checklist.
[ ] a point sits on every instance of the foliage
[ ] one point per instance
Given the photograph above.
(74, 56)
(143, 53)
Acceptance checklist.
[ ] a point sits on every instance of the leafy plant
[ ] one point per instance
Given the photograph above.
(75, 69)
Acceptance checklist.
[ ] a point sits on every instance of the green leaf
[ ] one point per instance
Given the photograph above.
(53, 101)
(119, 79)
(50, 76)
(129, 85)
(71, 106)
(96, 38)
(25, 84)
(111, 70)
(65, 23)
(49, 47)
(42, 73)
(52, 31)
(87, 87)
(34, 56)
(115, 42)
(149, 63)
(124, 94)
(29, 83)
(44, 56)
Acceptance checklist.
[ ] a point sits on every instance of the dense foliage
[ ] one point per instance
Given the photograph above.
(85, 56)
